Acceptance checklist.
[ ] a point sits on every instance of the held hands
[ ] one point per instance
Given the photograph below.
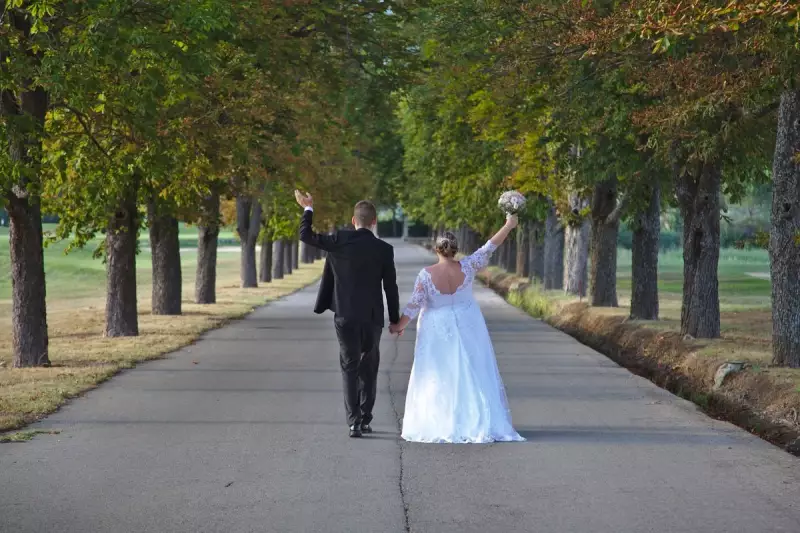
(305, 200)
(512, 221)
(396, 329)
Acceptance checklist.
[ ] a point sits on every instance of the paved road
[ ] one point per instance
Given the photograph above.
(252, 438)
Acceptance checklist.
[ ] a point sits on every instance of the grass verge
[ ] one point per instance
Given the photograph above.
(761, 399)
(25, 436)
(82, 358)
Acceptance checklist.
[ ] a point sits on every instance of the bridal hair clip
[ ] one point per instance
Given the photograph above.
(511, 202)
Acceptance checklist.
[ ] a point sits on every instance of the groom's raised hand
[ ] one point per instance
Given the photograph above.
(304, 200)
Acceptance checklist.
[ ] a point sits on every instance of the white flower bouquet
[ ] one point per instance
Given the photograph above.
(511, 202)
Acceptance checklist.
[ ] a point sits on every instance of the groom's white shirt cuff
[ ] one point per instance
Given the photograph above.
(309, 209)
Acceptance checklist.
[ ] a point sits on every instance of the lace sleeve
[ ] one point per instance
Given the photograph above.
(418, 298)
(479, 260)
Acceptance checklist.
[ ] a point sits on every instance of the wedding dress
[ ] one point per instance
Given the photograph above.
(455, 393)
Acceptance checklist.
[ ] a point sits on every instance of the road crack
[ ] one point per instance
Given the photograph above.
(399, 440)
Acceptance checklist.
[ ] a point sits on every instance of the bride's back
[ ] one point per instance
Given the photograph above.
(447, 277)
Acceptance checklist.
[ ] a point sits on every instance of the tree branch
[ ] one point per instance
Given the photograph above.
(616, 214)
(81, 118)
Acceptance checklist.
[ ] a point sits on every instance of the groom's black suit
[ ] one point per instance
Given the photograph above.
(358, 263)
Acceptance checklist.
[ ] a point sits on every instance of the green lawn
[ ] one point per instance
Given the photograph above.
(78, 275)
(737, 288)
(745, 300)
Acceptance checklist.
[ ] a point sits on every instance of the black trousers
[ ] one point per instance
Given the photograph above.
(359, 356)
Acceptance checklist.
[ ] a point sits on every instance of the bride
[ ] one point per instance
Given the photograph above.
(455, 393)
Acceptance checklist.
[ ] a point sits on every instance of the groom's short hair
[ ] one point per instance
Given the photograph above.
(365, 213)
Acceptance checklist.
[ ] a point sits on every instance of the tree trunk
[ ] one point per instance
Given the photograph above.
(295, 255)
(472, 242)
(645, 248)
(523, 251)
(536, 251)
(248, 226)
(784, 241)
(505, 256)
(511, 254)
(497, 257)
(277, 260)
(29, 335)
(698, 197)
(122, 319)
(287, 257)
(605, 229)
(305, 256)
(166, 257)
(205, 285)
(553, 252)
(265, 268)
(500, 253)
(576, 275)
(23, 117)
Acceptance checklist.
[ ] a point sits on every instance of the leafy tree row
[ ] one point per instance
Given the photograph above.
(116, 115)
(603, 111)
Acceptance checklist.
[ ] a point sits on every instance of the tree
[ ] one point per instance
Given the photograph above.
(24, 103)
(205, 286)
(732, 60)
(605, 215)
(118, 140)
(646, 225)
(553, 252)
(248, 227)
(784, 243)
(694, 102)
(120, 114)
(577, 234)
(166, 258)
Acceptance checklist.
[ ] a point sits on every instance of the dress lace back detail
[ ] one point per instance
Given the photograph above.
(455, 393)
(426, 294)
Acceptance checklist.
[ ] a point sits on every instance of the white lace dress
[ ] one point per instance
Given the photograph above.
(455, 393)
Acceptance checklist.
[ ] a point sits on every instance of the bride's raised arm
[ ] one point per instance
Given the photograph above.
(480, 259)
(511, 222)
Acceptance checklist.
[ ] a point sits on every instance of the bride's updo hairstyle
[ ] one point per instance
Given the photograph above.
(446, 245)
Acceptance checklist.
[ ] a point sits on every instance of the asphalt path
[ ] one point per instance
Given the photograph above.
(245, 432)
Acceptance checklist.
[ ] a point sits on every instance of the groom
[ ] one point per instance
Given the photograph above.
(357, 264)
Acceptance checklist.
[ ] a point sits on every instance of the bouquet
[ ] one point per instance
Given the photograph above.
(511, 202)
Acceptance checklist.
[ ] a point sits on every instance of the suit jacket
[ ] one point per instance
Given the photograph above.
(357, 264)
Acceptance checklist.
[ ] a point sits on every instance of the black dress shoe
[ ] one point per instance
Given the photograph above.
(355, 432)
(366, 428)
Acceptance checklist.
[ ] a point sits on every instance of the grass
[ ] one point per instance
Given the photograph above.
(25, 436)
(736, 285)
(744, 302)
(81, 357)
(743, 297)
(77, 276)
